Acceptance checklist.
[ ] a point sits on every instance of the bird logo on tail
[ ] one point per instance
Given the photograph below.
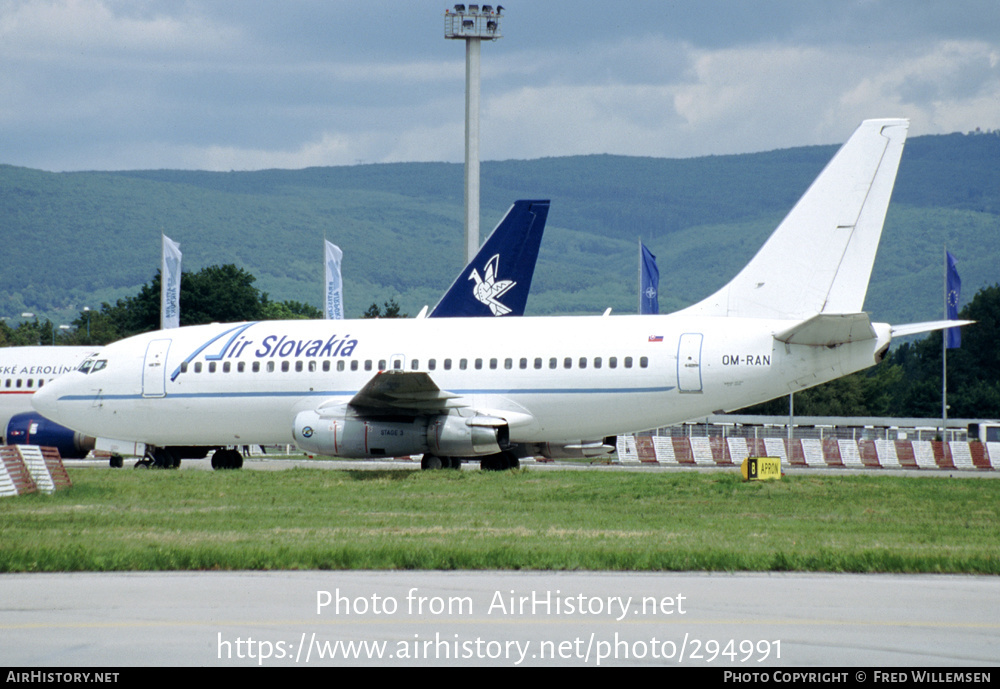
(487, 288)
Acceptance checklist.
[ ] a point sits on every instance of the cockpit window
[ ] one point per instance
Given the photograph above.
(98, 365)
(85, 366)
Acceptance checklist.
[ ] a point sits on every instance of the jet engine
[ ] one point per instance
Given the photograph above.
(30, 428)
(357, 437)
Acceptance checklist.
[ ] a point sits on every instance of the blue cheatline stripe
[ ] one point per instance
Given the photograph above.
(345, 393)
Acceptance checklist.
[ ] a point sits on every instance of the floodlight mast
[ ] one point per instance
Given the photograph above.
(472, 24)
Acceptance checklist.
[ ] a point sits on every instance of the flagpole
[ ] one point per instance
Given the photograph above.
(944, 352)
(639, 276)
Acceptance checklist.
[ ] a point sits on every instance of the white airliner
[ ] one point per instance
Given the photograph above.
(496, 389)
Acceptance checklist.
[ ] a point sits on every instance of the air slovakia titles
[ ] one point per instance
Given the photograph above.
(282, 346)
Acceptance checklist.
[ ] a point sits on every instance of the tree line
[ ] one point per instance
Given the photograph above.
(216, 294)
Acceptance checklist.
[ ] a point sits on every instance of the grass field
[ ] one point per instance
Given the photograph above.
(544, 520)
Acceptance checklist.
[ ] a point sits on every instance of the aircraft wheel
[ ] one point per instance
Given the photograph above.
(116, 462)
(512, 461)
(227, 459)
(430, 462)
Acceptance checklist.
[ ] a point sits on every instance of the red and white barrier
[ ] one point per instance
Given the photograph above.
(811, 452)
(30, 468)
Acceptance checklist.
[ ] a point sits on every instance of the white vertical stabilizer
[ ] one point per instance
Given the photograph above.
(820, 257)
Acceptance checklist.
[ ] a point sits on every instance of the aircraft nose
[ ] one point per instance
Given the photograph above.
(45, 400)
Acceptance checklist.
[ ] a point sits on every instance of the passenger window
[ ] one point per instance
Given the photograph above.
(583, 362)
(285, 367)
(241, 366)
(354, 365)
(553, 362)
(381, 364)
(397, 364)
(340, 365)
(597, 362)
(463, 364)
(508, 363)
(447, 364)
(270, 367)
(431, 364)
(493, 364)
(628, 362)
(523, 363)
(184, 367)
(211, 367)
(197, 367)
(31, 382)
(567, 363)
(226, 366)
(479, 364)
(612, 362)
(298, 367)
(538, 362)
(255, 367)
(643, 362)
(415, 364)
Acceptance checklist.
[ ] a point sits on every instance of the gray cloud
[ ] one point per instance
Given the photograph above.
(220, 84)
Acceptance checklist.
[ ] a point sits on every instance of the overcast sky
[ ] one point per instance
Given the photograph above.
(253, 84)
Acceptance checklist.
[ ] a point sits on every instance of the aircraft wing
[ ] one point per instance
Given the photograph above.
(404, 392)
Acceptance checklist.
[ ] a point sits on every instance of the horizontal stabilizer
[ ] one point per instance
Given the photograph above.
(929, 326)
(828, 330)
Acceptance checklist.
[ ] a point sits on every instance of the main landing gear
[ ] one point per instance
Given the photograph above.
(430, 461)
(224, 458)
(159, 458)
(497, 462)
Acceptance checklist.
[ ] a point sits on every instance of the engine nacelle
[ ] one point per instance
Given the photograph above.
(454, 436)
(30, 428)
(444, 435)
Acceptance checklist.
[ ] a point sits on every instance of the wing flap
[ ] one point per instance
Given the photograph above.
(404, 392)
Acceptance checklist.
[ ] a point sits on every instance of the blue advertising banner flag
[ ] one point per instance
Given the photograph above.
(953, 294)
(649, 282)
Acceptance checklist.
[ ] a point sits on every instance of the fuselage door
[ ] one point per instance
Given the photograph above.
(689, 362)
(154, 369)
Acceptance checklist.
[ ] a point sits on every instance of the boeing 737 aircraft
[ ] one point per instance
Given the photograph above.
(496, 389)
(516, 239)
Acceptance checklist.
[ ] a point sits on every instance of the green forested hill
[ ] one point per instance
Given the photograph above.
(78, 239)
